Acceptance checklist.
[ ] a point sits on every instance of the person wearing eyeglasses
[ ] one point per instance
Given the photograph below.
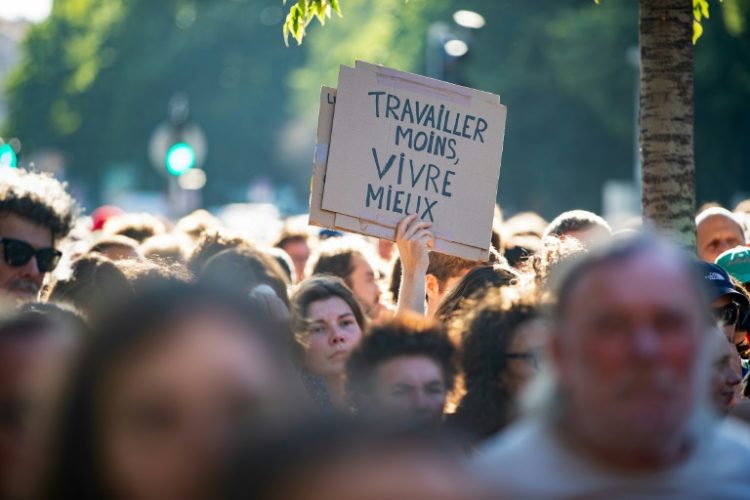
(503, 336)
(727, 304)
(36, 212)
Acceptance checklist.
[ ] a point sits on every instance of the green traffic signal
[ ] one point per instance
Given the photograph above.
(8, 156)
(180, 158)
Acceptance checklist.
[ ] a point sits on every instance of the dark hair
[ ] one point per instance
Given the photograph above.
(394, 286)
(575, 220)
(113, 240)
(473, 285)
(404, 335)
(211, 244)
(243, 269)
(139, 227)
(75, 470)
(336, 264)
(317, 288)
(268, 461)
(38, 318)
(445, 267)
(488, 332)
(95, 284)
(39, 198)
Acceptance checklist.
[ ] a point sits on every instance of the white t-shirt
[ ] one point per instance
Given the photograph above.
(528, 461)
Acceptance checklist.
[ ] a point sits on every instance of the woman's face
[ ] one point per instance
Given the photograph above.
(167, 410)
(524, 355)
(727, 374)
(332, 333)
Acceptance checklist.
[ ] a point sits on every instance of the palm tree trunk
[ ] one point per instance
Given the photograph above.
(666, 116)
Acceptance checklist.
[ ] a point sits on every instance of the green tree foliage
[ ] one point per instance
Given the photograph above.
(96, 77)
(568, 85)
(301, 14)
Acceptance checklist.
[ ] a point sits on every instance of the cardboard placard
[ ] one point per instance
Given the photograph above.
(401, 143)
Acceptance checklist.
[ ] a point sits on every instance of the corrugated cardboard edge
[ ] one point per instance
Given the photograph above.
(318, 216)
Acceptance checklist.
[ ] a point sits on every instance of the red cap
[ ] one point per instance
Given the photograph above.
(102, 214)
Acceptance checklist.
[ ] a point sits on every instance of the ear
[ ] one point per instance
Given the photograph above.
(432, 286)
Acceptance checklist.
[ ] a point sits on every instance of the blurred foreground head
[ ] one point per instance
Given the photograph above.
(630, 352)
(337, 459)
(159, 390)
(37, 346)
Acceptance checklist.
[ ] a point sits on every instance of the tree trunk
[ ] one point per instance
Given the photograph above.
(666, 116)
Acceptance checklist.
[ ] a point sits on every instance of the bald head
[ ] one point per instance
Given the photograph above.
(717, 230)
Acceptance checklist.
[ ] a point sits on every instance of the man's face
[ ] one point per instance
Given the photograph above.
(24, 281)
(436, 290)
(299, 252)
(626, 353)
(410, 387)
(365, 286)
(715, 235)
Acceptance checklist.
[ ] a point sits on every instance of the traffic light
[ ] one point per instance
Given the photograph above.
(8, 157)
(179, 158)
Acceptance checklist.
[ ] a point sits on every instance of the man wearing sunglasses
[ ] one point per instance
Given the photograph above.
(728, 305)
(36, 212)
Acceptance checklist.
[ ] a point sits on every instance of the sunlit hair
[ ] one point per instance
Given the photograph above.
(138, 226)
(38, 198)
(544, 396)
(197, 223)
(105, 242)
(552, 252)
(488, 329)
(94, 284)
(214, 242)
(575, 220)
(404, 335)
(172, 248)
(314, 289)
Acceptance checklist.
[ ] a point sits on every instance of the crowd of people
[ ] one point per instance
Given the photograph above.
(142, 358)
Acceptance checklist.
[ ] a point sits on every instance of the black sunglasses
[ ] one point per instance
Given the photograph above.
(17, 253)
(728, 314)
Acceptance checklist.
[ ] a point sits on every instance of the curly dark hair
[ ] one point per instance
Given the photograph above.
(404, 335)
(39, 198)
(475, 284)
(489, 330)
(212, 243)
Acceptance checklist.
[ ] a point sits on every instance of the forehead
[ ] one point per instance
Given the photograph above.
(330, 307)
(360, 264)
(643, 280)
(20, 228)
(715, 224)
(419, 366)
